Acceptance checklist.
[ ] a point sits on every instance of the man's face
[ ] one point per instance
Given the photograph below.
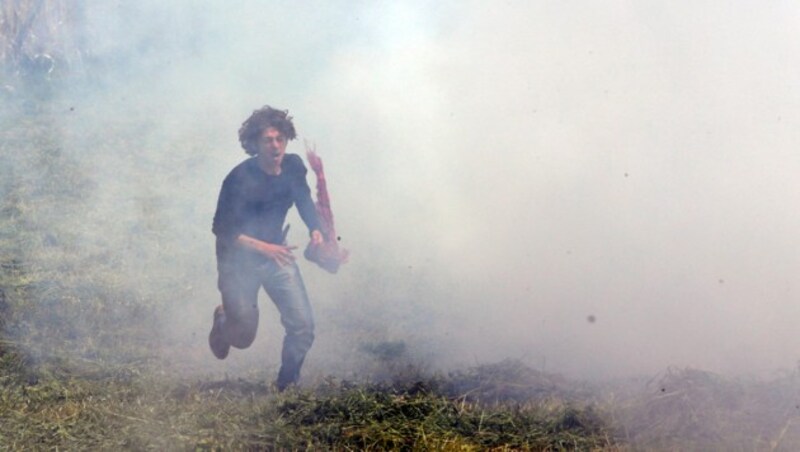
(272, 146)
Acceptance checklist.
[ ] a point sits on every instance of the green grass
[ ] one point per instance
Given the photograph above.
(145, 410)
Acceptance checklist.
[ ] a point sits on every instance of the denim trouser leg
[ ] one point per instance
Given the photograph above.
(285, 287)
(239, 292)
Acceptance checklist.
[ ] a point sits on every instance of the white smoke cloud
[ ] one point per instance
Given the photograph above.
(631, 162)
(500, 171)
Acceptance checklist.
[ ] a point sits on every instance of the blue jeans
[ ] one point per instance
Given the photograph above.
(239, 288)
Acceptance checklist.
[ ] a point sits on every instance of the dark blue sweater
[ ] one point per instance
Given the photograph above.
(254, 203)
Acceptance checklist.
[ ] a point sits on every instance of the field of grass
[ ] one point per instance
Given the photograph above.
(84, 364)
(81, 362)
(139, 409)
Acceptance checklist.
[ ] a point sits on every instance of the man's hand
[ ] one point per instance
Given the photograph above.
(316, 237)
(281, 254)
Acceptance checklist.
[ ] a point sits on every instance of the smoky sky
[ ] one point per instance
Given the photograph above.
(504, 172)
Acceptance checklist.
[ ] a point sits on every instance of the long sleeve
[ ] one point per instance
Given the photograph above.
(227, 225)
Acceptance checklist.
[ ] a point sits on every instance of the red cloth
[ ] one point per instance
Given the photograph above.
(327, 255)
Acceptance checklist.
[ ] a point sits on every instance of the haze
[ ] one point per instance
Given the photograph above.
(597, 189)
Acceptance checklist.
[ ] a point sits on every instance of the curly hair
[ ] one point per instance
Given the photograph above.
(262, 119)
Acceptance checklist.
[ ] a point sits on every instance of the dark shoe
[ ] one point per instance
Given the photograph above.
(219, 346)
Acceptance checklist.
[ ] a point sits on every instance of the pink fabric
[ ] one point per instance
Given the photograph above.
(327, 255)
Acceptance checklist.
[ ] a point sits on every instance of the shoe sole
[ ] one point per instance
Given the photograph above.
(216, 343)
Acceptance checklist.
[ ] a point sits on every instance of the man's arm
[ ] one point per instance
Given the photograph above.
(225, 225)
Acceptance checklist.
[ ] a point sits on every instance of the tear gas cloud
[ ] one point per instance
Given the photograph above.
(501, 172)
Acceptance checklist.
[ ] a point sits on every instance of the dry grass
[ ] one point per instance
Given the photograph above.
(146, 410)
